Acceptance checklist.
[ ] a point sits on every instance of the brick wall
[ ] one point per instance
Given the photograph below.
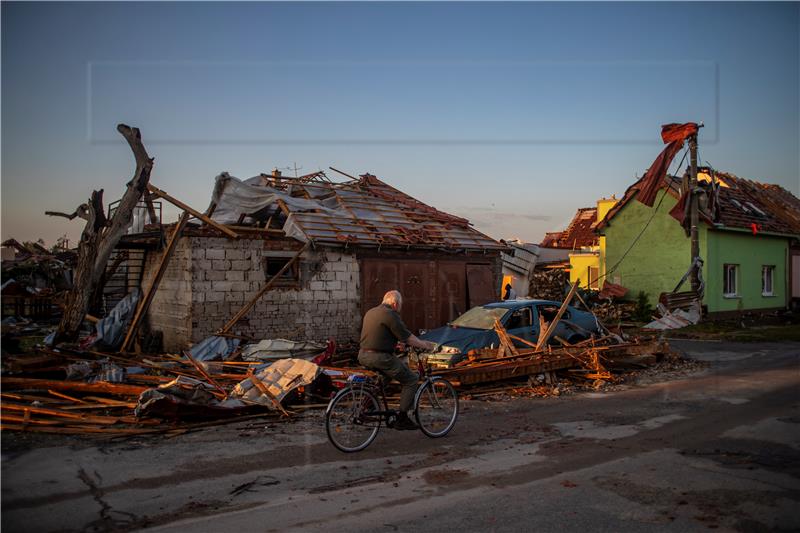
(170, 311)
(217, 276)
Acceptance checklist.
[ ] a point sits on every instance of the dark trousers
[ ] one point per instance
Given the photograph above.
(393, 367)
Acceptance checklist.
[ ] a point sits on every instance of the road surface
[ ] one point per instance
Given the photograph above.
(715, 450)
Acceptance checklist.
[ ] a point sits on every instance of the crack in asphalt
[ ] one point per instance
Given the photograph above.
(106, 522)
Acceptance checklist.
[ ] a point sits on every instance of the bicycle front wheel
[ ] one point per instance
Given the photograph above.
(350, 420)
(436, 407)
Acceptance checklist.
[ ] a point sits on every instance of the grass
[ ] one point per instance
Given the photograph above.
(728, 331)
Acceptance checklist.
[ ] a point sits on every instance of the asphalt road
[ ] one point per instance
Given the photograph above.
(716, 450)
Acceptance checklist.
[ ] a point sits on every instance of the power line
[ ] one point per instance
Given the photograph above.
(639, 236)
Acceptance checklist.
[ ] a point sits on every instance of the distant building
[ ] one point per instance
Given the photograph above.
(584, 246)
(518, 266)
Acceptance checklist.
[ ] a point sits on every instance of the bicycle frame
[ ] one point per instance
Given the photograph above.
(378, 389)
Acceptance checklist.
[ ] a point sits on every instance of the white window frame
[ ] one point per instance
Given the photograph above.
(767, 275)
(726, 269)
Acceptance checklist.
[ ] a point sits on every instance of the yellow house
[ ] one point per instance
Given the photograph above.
(587, 259)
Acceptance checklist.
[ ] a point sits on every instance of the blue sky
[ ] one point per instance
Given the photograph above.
(513, 115)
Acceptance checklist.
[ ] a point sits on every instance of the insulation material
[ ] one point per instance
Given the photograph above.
(234, 197)
(676, 319)
(277, 379)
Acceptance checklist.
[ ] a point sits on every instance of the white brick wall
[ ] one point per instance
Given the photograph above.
(210, 279)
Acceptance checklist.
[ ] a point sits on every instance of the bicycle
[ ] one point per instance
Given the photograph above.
(354, 415)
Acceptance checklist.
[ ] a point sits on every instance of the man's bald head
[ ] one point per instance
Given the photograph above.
(393, 299)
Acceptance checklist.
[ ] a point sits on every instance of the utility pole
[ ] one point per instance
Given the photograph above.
(693, 214)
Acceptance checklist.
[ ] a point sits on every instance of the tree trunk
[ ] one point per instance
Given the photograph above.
(99, 238)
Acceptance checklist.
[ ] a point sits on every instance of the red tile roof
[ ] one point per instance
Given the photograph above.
(579, 233)
(771, 207)
(741, 204)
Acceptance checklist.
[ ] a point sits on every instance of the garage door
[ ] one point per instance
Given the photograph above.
(434, 292)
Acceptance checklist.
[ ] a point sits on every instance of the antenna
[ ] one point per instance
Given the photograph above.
(294, 168)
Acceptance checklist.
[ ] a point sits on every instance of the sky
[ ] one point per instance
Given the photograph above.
(513, 115)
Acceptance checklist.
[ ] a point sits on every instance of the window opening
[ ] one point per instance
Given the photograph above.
(729, 280)
(521, 318)
(767, 274)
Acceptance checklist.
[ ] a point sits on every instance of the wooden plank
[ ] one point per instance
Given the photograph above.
(197, 214)
(80, 430)
(66, 397)
(205, 374)
(56, 413)
(26, 420)
(14, 383)
(144, 304)
(79, 407)
(265, 391)
(543, 338)
(249, 305)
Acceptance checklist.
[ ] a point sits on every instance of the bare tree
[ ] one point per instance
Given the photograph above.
(100, 236)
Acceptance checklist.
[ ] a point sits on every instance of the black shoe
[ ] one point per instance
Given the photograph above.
(404, 423)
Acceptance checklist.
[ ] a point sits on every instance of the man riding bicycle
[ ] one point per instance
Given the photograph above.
(382, 329)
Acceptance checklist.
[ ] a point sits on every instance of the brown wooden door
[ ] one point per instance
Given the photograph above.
(418, 306)
(451, 292)
(377, 277)
(480, 285)
(434, 292)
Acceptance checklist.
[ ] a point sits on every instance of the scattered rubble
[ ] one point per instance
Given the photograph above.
(103, 382)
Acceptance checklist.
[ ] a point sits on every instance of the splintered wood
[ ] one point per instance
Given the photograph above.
(72, 407)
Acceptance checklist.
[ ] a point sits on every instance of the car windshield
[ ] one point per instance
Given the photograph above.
(480, 317)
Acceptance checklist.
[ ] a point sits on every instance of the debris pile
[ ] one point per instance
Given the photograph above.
(103, 383)
(71, 392)
(549, 284)
(614, 312)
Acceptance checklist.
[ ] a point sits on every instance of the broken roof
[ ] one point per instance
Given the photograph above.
(742, 203)
(363, 211)
(579, 233)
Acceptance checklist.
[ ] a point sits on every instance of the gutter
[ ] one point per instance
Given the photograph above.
(748, 231)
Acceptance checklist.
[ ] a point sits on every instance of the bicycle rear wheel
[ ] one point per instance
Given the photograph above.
(436, 407)
(349, 421)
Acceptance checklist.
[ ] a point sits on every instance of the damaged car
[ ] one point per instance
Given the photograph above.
(475, 329)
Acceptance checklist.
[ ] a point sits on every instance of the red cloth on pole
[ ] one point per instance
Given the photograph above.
(673, 135)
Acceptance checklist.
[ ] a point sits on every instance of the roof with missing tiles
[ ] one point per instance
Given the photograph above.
(579, 234)
(360, 212)
(743, 203)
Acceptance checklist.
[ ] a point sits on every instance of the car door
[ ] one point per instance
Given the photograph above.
(520, 324)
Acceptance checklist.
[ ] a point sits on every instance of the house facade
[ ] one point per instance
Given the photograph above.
(358, 240)
(584, 245)
(748, 235)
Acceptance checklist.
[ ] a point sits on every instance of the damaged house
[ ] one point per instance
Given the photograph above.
(352, 241)
(585, 248)
(749, 236)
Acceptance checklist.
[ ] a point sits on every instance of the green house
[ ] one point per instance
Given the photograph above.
(749, 241)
